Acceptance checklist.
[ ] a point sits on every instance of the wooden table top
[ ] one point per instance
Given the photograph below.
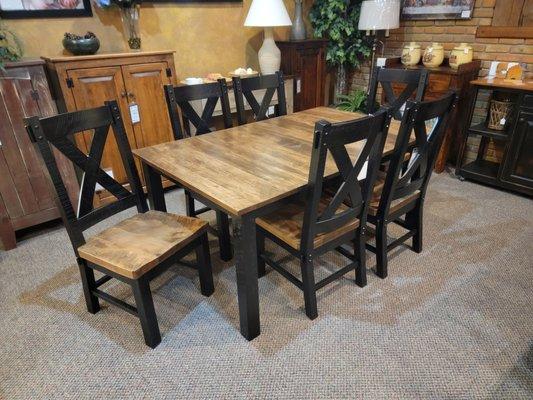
(247, 167)
(504, 83)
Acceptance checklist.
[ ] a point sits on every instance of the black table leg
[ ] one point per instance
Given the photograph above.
(247, 278)
(224, 241)
(154, 186)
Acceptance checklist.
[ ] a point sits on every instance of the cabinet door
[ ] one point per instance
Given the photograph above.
(91, 87)
(144, 86)
(310, 71)
(23, 183)
(518, 166)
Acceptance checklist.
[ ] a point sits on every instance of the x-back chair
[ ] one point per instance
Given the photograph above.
(321, 222)
(415, 82)
(244, 88)
(182, 96)
(402, 189)
(138, 248)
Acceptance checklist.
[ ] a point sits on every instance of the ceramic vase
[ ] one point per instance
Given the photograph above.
(411, 54)
(461, 54)
(130, 20)
(433, 55)
(298, 26)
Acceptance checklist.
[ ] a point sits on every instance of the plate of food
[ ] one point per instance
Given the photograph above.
(243, 72)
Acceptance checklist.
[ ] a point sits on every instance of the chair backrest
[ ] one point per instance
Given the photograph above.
(415, 82)
(55, 131)
(243, 88)
(351, 198)
(409, 174)
(181, 96)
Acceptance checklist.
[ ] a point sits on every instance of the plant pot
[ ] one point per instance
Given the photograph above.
(80, 47)
(130, 20)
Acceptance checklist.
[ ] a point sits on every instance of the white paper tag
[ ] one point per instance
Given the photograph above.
(465, 14)
(465, 50)
(381, 61)
(298, 85)
(502, 121)
(134, 113)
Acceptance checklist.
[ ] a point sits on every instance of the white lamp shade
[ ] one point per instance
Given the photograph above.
(379, 14)
(267, 13)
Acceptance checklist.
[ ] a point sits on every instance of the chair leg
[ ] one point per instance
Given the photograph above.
(146, 311)
(359, 246)
(414, 219)
(189, 204)
(260, 245)
(309, 288)
(88, 283)
(224, 241)
(381, 249)
(204, 267)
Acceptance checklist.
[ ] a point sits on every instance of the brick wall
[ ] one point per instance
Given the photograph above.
(450, 33)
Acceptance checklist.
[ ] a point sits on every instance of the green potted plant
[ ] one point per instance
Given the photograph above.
(347, 47)
(10, 47)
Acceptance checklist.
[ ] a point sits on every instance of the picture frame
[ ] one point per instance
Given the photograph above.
(19, 9)
(437, 9)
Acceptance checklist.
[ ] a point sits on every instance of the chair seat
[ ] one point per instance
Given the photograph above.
(395, 204)
(137, 244)
(286, 224)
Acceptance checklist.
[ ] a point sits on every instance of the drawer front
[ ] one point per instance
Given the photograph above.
(437, 85)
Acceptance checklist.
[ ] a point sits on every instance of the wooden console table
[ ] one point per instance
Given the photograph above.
(441, 80)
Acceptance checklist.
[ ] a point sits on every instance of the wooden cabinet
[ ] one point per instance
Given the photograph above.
(514, 169)
(132, 79)
(26, 196)
(306, 59)
(441, 80)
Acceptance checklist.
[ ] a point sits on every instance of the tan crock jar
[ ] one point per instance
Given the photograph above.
(411, 54)
(461, 54)
(433, 55)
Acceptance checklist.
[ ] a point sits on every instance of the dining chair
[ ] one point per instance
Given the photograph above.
(180, 97)
(415, 82)
(134, 250)
(244, 88)
(319, 222)
(401, 190)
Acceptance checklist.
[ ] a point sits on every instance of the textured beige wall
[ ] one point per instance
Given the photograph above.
(206, 38)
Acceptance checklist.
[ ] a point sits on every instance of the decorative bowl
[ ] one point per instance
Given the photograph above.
(80, 47)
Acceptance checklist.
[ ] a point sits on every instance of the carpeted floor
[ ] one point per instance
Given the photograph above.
(455, 321)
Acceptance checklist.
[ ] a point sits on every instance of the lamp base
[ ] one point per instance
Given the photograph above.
(269, 54)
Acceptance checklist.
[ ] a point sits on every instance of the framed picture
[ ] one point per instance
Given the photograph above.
(437, 9)
(45, 8)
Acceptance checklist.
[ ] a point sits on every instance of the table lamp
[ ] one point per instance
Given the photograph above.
(267, 14)
(378, 15)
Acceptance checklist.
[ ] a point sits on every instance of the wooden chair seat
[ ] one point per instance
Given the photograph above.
(137, 244)
(286, 224)
(395, 204)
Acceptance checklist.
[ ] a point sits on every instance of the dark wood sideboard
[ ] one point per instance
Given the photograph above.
(26, 195)
(306, 59)
(441, 80)
(514, 171)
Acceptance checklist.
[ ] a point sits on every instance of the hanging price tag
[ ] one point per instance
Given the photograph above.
(134, 113)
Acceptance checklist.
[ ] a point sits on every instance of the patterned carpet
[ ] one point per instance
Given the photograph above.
(454, 322)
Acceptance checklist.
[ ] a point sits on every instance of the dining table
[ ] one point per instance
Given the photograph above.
(246, 171)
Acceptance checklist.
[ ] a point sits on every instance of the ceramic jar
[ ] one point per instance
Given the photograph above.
(411, 54)
(461, 54)
(433, 55)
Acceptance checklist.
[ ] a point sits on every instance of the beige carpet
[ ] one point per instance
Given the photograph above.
(454, 322)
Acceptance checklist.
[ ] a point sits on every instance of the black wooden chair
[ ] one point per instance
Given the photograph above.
(402, 189)
(135, 250)
(319, 222)
(244, 88)
(415, 82)
(212, 93)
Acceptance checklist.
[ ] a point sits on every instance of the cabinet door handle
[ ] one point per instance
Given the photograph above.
(124, 94)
